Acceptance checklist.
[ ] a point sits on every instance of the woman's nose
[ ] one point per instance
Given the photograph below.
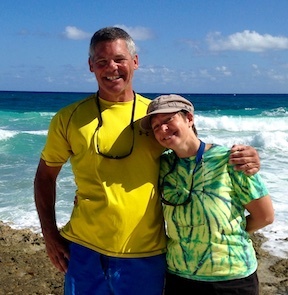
(164, 127)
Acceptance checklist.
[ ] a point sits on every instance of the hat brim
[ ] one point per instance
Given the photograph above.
(145, 122)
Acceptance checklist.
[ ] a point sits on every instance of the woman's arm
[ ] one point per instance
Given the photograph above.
(261, 214)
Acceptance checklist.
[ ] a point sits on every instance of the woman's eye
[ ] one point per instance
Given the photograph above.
(155, 127)
(168, 120)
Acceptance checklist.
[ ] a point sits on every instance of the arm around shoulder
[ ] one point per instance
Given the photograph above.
(245, 158)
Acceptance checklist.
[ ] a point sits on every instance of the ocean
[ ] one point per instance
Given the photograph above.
(259, 120)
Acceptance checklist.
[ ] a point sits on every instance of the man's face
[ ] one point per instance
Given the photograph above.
(113, 67)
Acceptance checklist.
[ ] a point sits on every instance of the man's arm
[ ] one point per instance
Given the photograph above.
(245, 158)
(45, 197)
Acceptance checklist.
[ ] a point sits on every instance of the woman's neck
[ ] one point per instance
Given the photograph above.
(188, 149)
(191, 150)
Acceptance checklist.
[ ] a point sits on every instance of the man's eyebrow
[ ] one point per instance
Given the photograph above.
(114, 56)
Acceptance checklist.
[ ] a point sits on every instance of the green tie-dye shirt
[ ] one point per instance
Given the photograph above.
(207, 237)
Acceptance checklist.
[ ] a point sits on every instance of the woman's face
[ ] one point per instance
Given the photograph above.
(172, 129)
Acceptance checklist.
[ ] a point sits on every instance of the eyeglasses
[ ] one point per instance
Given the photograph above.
(176, 198)
(100, 123)
(167, 121)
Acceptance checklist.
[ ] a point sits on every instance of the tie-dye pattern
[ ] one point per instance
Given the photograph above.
(207, 237)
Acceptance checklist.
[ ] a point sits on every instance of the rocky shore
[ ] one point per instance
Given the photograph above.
(26, 269)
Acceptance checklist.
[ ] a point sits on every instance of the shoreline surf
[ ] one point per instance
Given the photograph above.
(26, 268)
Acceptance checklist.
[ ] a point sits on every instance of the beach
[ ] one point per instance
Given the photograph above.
(24, 265)
(259, 120)
(26, 269)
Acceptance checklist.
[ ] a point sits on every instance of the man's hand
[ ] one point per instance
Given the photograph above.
(245, 158)
(57, 250)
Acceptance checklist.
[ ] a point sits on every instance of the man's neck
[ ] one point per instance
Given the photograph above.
(117, 97)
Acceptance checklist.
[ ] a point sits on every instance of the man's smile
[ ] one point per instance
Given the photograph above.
(113, 78)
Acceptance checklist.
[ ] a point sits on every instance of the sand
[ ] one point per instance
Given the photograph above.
(26, 269)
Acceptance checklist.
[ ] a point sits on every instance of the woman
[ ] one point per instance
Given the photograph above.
(205, 202)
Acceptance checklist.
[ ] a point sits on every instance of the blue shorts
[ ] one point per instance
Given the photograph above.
(90, 273)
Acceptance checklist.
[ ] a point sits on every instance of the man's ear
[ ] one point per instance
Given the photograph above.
(90, 63)
(136, 62)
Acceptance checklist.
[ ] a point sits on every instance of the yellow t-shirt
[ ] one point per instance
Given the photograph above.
(118, 211)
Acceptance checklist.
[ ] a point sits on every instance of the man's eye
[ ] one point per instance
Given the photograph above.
(101, 62)
(120, 60)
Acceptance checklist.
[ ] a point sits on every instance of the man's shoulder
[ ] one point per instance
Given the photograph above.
(82, 103)
(142, 99)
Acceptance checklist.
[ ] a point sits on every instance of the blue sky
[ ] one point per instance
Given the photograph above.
(192, 46)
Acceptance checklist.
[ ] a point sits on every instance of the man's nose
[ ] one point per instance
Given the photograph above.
(112, 64)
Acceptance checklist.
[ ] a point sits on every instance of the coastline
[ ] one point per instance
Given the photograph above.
(26, 269)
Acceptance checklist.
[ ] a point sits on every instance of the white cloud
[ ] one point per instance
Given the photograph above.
(204, 74)
(277, 76)
(224, 70)
(156, 75)
(49, 79)
(256, 69)
(24, 32)
(246, 41)
(137, 33)
(75, 33)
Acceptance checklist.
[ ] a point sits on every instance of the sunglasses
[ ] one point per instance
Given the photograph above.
(178, 198)
(100, 123)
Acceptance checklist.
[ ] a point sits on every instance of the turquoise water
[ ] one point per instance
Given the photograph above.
(260, 120)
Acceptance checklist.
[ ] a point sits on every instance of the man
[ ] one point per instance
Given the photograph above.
(116, 233)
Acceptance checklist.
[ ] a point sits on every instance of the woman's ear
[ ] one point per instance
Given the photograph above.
(190, 118)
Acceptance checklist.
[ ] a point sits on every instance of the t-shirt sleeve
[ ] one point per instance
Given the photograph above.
(248, 188)
(57, 149)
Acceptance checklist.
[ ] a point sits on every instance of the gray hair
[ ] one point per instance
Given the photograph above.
(112, 34)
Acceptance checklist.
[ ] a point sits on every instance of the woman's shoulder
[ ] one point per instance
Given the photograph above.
(217, 153)
(168, 156)
(217, 149)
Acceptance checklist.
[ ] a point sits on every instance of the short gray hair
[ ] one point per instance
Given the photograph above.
(112, 34)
